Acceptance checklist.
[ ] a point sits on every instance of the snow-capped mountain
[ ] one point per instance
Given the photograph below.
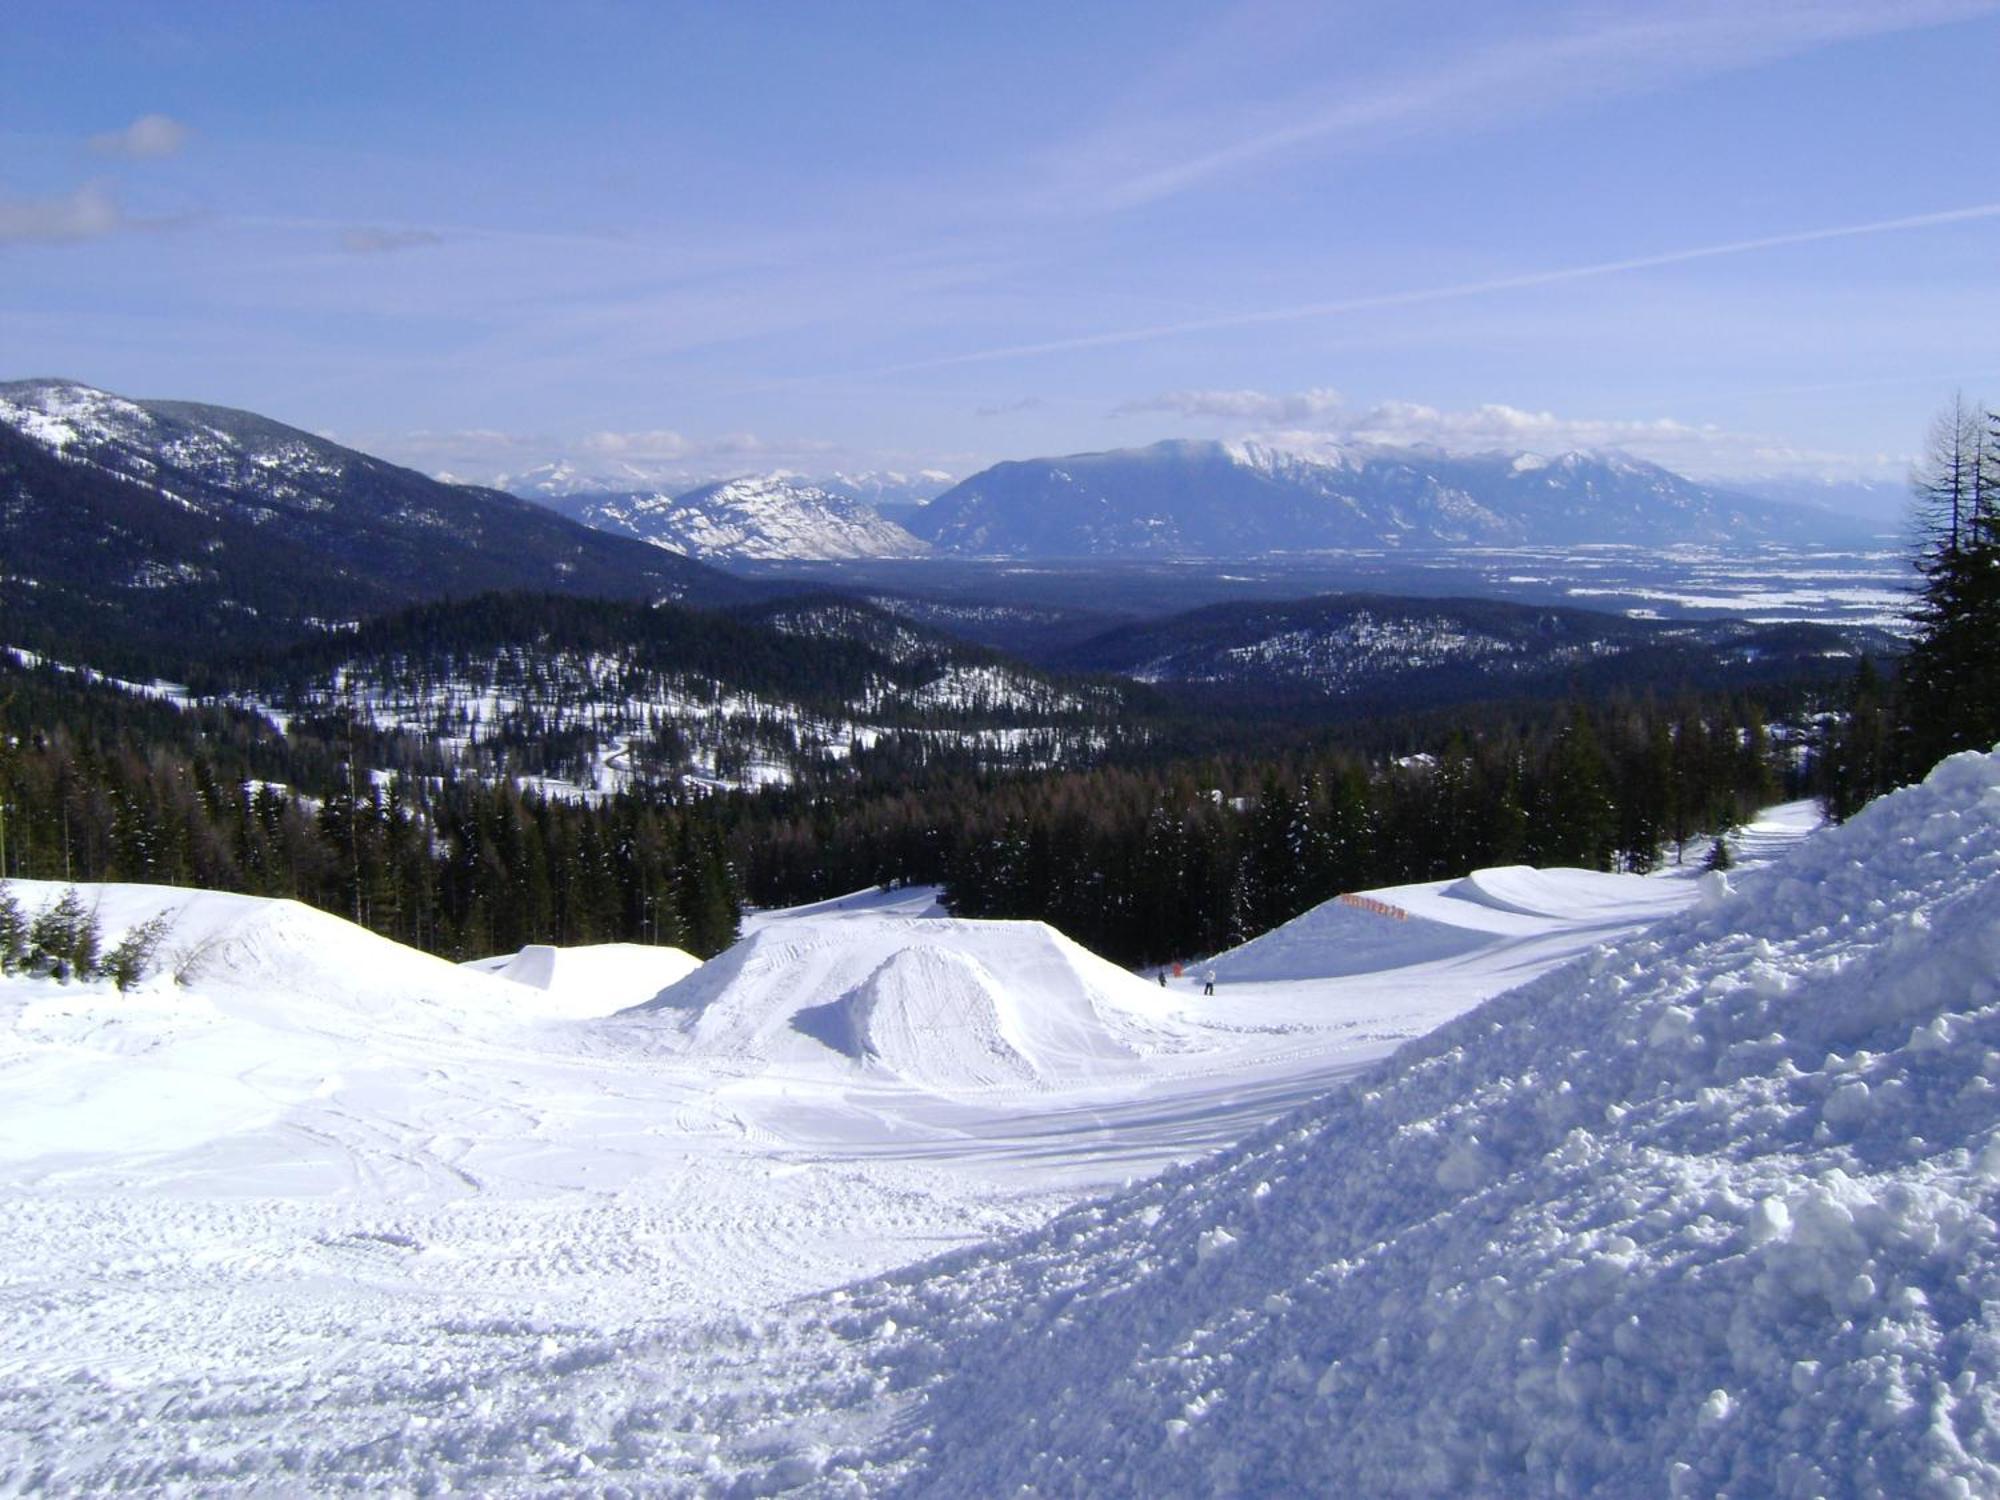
(127, 518)
(758, 516)
(1194, 499)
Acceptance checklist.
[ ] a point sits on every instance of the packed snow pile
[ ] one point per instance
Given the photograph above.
(594, 979)
(936, 1002)
(1336, 938)
(1710, 1211)
(1435, 922)
(273, 959)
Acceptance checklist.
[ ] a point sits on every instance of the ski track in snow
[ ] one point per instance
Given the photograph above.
(335, 1212)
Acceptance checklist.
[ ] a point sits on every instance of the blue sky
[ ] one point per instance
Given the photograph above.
(1744, 239)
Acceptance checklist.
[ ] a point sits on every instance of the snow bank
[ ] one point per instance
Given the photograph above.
(1568, 894)
(933, 1001)
(1335, 939)
(591, 980)
(278, 960)
(1709, 1212)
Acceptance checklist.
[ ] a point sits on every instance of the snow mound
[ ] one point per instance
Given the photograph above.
(1570, 895)
(1710, 1211)
(592, 980)
(1335, 938)
(939, 1003)
(277, 959)
(935, 1017)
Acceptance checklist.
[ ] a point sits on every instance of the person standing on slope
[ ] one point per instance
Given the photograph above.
(1208, 983)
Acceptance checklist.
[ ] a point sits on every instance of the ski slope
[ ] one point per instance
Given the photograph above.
(331, 1211)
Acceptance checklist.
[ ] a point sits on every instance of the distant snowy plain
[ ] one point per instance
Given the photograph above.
(334, 1213)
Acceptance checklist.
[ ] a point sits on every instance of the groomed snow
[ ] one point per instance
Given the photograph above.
(594, 980)
(337, 1214)
(946, 1005)
(1711, 1212)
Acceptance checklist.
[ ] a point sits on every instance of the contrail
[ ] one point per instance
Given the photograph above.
(1449, 293)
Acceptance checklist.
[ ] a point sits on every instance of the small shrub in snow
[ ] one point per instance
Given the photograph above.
(63, 940)
(1719, 857)
(187, 961)
(127, 963)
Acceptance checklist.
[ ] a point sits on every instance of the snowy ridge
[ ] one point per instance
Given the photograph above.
(760, 516)
(1191, 499)
(1711, 1212)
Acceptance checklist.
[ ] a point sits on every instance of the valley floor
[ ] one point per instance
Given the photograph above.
(332, 1213)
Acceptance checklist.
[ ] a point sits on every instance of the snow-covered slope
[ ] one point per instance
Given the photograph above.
(1712, 1212)
(1403, 651)
(179, 524)
(758, 516)
(1230, 500)
(333, 1215)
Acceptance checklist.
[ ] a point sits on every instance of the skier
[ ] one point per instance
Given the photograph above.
(1163, 979)
(1208, 983)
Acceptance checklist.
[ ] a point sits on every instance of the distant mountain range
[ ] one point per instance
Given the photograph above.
(769, 517)
(1205, 499)
(164, 530)
(167, 524)
(1186, 499)
(886, 490)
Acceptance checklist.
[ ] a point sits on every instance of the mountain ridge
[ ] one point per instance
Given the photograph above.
(1185, 497)
(171, 522)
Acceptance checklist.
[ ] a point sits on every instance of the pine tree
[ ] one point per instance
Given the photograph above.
(1950, 682)
(63, 939)
(13, 932)
(1856, 756)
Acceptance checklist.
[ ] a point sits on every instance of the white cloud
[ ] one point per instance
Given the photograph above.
(147, 138)
(657, 445)
(88, 213)
(1312, 420)
(634, 458)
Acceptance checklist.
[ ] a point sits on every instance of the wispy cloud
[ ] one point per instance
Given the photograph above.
(375, 241)
(629, 458)
(147, 138)
(88, 213)
(1181, 138)
(1301, 408)
(1454, 291)
(1009, 408)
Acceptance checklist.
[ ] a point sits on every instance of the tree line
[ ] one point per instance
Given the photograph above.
(1944, 695)
(1147, 864)
(1141, 861)
(451, 865)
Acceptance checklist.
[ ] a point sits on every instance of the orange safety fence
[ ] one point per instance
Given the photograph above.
(1380, 908)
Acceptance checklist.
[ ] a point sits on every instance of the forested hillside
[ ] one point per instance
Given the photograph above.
(1144, 860)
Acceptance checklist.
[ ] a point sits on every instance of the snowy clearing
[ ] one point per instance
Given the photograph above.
(333, 1211)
